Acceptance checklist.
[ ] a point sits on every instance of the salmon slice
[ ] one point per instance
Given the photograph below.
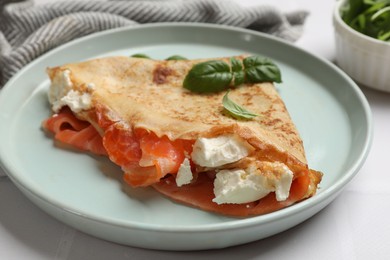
(138, 176)
(124, 149)
(144, 157)
(122, 146)
(70, 130)
(64, 120)
(200, 194)
(160, 150)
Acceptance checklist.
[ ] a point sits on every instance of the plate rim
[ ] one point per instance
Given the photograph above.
(235, 223)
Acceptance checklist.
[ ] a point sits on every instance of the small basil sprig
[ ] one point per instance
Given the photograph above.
(144, 56)
(217, 75)
(235, 110)
(176, 57)
(140, 55)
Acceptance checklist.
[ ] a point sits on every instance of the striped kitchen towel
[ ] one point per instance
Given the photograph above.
(28, 30)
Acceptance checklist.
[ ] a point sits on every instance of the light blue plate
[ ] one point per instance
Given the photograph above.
(86, 192)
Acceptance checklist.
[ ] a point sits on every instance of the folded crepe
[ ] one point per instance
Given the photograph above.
(183, 144)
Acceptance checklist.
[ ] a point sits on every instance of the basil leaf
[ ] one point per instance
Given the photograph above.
(261, 69)
(209, 76)
(235, 110)
(239, 78)
(140, 55)
(236, 64)
(176, 57)
(237, 70)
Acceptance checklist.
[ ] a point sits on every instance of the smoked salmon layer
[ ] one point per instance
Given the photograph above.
(149, 160)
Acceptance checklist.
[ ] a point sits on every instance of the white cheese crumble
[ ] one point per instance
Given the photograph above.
(76, 101)
(218, 151)
(283, 183)
(61, 94)
(242, 186)
(60, 86)
(236, 186)
(184, 175)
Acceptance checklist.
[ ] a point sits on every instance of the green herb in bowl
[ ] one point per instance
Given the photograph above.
(370, 17)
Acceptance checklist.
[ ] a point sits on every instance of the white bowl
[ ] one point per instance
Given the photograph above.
(365, 59)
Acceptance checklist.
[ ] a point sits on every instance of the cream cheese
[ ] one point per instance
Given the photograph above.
(60, 86)
(218, 151)
(184, 175)
(282, 180)
(76, 101)
(61, 94)
(242, 186)
(236, 186)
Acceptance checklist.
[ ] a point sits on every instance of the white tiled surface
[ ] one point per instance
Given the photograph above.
(355, 226)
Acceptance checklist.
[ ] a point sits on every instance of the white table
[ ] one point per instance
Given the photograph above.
(355, 226)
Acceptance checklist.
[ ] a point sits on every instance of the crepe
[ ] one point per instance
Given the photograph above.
(141, 103)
